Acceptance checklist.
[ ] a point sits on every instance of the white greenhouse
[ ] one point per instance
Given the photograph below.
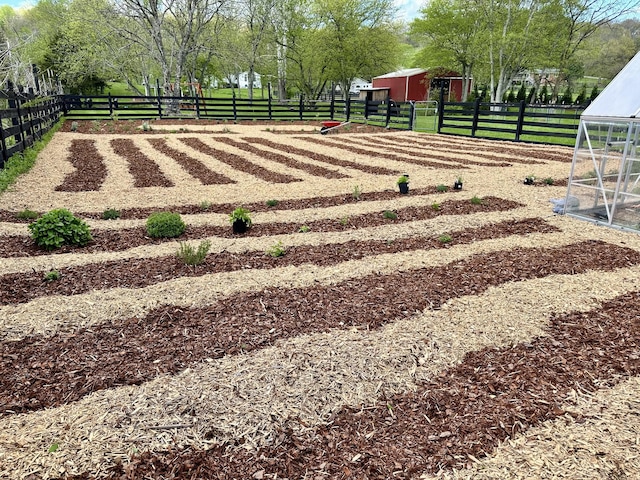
(604, 184)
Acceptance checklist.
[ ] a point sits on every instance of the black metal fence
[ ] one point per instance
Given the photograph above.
(24, 119)
(511, 121)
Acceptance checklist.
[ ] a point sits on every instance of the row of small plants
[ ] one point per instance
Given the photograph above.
(403, 184)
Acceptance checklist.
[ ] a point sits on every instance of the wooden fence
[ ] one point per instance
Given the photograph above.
(511, 121)
(24, 119)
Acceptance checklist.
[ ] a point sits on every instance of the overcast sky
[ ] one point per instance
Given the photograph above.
(407, 9)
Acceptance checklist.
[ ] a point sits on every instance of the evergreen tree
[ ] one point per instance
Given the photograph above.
(544, 95)
(594, 93)
(567, 96)
(522, 93)
(531, 95)
(582, 96)
(511, 97)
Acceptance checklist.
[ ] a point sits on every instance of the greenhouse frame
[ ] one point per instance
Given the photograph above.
(604, 184)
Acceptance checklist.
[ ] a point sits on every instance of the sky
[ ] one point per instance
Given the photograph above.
(407, 9)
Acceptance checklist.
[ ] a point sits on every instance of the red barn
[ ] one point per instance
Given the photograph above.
(418, 85)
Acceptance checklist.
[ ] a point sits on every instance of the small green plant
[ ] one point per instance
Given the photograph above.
(192, 256)
(357, 192)
(445, 238)
(442, 188)
(548, 181)
(241, 213)
(52, 276)
(226, 130)
(459, 180)
(272, 203)
(403, 179)
(344, 220)
(27, 215)
(59, 227)
(146, 127)
(54, 447)
(435, 206)
(74, 126)
(205, 205)
(391, 215)
(110, 214)
(165, 225)
(277, 250)
(476, 200)
(304, 229)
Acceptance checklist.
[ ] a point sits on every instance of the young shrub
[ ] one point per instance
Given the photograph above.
(59, 227)
(391, 215)
(476, 200)
(442, 188)
(52, 276)
(110, 214)
(304, 229)
(27, 215)
(192, 256)
(165, 225)
(241, 214)
(445, 238)
(435, 206)
(272, 203)
(277, 250)
(357, 192)
(74, 126)
(205, 205)
(548, 181)
(344, 220)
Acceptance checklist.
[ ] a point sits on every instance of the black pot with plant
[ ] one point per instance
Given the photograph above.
(457, 185)
(240, 220)
(529, 180)
(403, 184)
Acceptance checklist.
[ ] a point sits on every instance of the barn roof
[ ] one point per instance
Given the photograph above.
(407, 72)
(621, 98)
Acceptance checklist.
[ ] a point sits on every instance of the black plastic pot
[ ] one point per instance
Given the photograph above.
(457, 186)
(404, 188)
(528, 181)
(239, 226)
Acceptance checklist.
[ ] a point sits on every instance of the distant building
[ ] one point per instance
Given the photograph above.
(242, 80)
(417, 84)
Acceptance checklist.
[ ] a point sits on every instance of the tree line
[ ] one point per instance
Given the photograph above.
(304, 46)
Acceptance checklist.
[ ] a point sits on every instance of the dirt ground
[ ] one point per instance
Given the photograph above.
(352, 332)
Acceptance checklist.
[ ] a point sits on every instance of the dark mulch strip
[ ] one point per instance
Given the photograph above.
(194, 167)
(170, 338)
(141, 272)
(123, 239)
(493, 395)
(297, 204)
(319, 157)
(410, 158)
(501, 161)
(90, 172)
(238, 162)
(276, 157)
(145, 172)
(395, 147)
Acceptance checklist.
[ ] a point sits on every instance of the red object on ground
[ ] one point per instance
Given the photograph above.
(330, 123)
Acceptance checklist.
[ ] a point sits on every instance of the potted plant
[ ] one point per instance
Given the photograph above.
(240, 220)
(529, 179)
(457, 185)
(403, 183)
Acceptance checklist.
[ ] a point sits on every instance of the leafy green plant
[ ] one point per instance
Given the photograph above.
(146, 127)
(59, 227)
(277, 250)
(54, 447)
(357, 192)
(165, 225)
(111, 214)
(344, 220)
(304, 229)
(548, 181)
(445, 238)
(241, 213)
(205, 205)
(476, 200)
(27, 215)
(403, 179)
(192, 256)
(52, 275)
(74, 126)
(442, 188)
(391, 215)
(272, 203)
(435, 206)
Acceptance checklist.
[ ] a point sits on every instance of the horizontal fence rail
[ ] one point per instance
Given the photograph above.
(511, 121)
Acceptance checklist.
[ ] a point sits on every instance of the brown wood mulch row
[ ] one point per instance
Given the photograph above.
(125, 238)
(497, 161)
(319, 157)
(238, 162)
(463, 413)
(141, 272)
(10, 216)
(396, 148)
(288, 161)
(145, 172)
(194, 167)
(90, 172)
(372, 153)
(41, 372)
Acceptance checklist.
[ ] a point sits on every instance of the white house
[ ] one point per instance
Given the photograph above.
(242, 80)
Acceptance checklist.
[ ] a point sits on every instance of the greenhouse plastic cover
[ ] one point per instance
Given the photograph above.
(621, 98)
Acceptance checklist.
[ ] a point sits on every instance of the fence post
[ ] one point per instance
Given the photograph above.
(387, 119)
(159, 98)
(235, 111)
(3, 144)
(270, 99)
(332, 105)
(197, 107)
(110, 106)
(19, 119)
(301, 106)
(441, 110)
(412, 113)
(348, 109)
(476, 115)
(520, 124)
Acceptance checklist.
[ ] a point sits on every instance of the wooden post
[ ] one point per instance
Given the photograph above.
(197, 107)
(348, 108)
(110, 106)
(520, 124)
(412, 113)
(235, 110)
(387, 119)
(3, 144)
(159, 99)
(332, 105)
(270, 98)
(476, 113)
(441, 110)
(301, 106)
